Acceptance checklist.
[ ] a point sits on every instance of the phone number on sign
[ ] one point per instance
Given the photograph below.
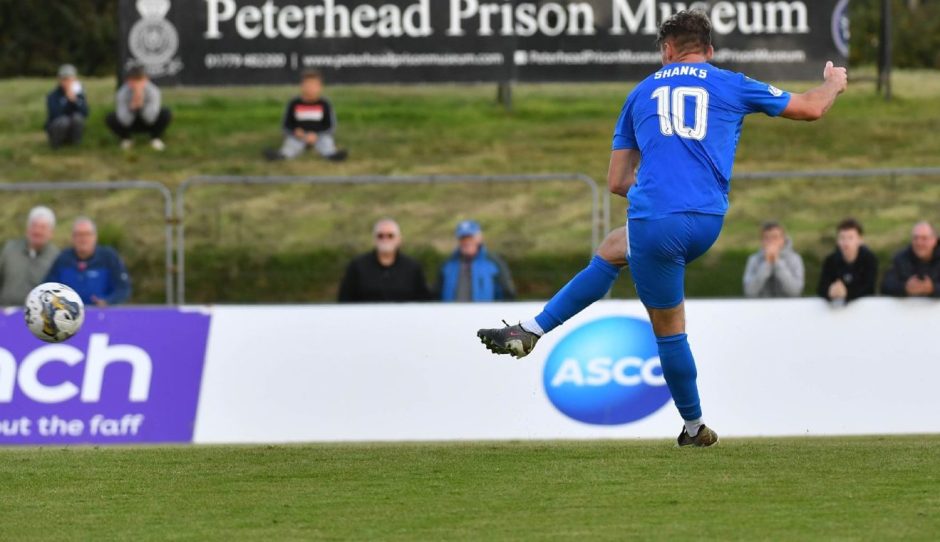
(251, 60)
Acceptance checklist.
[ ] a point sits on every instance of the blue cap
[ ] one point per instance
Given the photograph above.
(468, 228)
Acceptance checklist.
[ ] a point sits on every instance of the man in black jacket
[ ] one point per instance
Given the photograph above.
(915, 271)
(384, 274)
(309, 122)
(66, 109)
(851, 271)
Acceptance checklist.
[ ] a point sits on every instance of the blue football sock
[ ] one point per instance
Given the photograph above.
(680, 373)
(585, 288)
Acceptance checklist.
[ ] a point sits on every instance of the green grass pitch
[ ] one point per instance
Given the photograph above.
(859, 488)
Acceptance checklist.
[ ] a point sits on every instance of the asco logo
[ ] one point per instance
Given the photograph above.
(607, 372)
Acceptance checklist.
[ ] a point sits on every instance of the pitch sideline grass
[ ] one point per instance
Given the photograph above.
(870, 488)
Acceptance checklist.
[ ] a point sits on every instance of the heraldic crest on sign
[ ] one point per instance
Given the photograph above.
(153, 40)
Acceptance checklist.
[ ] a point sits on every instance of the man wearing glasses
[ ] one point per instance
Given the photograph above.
(384, 274)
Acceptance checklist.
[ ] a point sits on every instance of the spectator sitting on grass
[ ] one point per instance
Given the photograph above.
(915, 271)
(776, 270)
(25, 262)
(384, 273)
(473, 273)
(95, 272)
(309, 122)
(139, 109)
(66, 109)
(851, 271)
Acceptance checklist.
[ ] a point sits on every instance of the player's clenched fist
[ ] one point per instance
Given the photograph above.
(836, 76)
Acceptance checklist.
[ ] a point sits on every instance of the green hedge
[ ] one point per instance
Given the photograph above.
(241, 276)
(35, 37)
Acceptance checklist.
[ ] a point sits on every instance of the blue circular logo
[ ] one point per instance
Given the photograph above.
(607, 372)
(840, 27)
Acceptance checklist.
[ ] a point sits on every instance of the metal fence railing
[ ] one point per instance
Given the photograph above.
(599, 216)
(75, 186)
(174, 212)
(890, 173)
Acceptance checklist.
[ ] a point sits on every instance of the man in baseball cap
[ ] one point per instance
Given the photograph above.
(473, 273)
(469, 228)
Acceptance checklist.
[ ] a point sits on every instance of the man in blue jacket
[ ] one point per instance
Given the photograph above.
(95, 272)
(66, 109)
(472, 273)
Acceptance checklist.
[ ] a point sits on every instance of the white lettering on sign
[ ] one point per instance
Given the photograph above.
(327, 19)
(100, 356)
(602, 371)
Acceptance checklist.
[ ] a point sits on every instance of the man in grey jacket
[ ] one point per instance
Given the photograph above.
(776, 270)
(24, 262)
(139, 110)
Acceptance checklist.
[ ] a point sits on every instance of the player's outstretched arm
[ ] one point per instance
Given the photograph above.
(622, 171)
(813, 104)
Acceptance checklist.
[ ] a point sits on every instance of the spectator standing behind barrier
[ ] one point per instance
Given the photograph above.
(25, 262)
(66, 109)
(915, 271)
(851, 271)
(384, 274)
(309, 122)
(95, 272)
(776, 270)
(139, 109)
(473, 273)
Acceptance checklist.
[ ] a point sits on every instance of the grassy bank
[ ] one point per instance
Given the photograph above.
(441, 129)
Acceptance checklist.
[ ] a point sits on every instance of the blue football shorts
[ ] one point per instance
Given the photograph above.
(658, 250)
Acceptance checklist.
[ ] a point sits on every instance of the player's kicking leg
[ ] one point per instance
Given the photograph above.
(588, 286)
(660, 250)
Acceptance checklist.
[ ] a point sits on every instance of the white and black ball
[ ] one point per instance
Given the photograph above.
(54, 312)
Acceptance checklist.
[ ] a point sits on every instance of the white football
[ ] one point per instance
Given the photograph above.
(54, 312)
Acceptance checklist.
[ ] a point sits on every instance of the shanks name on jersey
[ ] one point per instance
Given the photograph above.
(681, 70)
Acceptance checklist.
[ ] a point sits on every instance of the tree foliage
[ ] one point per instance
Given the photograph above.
(36, 37)
(916, 29)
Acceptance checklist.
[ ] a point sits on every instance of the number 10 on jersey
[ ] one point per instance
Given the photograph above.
(672, 110)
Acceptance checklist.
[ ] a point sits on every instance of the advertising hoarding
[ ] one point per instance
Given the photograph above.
(239, 42)
(130, 376)
(272, 374)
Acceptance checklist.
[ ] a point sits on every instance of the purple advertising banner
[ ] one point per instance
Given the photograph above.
(130, 376)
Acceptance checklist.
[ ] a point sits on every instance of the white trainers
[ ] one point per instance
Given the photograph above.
(127, 144)
(157, 144)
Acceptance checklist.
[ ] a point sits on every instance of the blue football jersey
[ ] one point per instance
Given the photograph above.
(685, 120)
